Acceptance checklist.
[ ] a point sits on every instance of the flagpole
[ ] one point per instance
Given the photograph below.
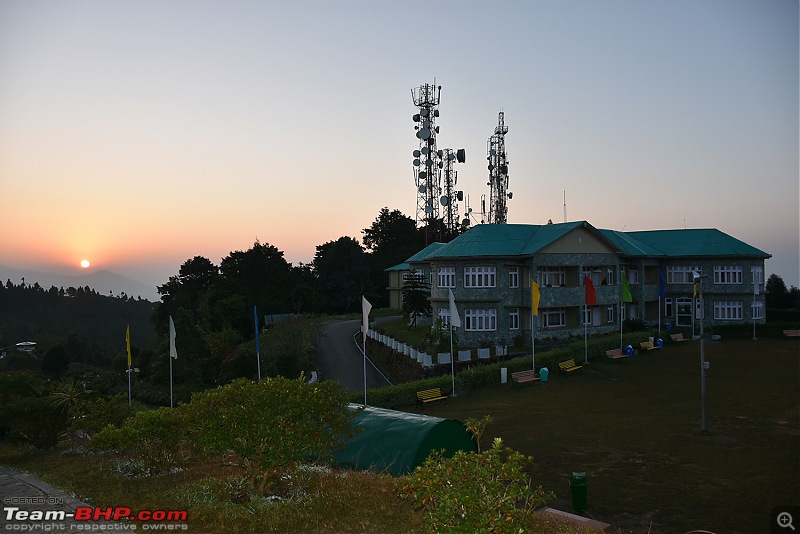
(128, 350)
(452, 365)
(170, 382)
(454, 320)
(585, 338)
(365, 309)
(258, 347)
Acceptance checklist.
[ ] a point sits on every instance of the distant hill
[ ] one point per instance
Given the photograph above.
(102, 282)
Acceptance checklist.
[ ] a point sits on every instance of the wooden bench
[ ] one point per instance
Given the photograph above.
(568, 366)
(430, 395)
(520, 377)
(791, 333)
(648, 345)
(616, 354)
(678, 337)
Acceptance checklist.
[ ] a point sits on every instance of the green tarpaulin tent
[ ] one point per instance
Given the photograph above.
(397, 442)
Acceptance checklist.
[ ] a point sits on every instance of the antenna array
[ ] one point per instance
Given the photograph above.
(498, 173)
(430, 163)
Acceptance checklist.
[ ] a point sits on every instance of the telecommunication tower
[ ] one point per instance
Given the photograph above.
(498, 173)
(427, 161)
(450, 197)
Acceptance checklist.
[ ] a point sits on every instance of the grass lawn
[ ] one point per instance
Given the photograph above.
(635, 428)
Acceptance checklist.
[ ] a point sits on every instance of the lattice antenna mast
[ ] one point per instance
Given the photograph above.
(427, 159)
(498, 173)
(450, 196)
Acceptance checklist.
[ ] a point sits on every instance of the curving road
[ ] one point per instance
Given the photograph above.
(341, 360)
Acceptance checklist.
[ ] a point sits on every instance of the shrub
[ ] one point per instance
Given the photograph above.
(475, 492)
(270, 424)
(155, 441)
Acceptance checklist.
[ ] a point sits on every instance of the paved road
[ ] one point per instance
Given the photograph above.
(341, 360)
(23, 495)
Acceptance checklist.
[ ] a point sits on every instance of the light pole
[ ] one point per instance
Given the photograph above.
(703, 364)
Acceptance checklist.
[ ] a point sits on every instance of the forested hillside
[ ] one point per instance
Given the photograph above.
(91, 325)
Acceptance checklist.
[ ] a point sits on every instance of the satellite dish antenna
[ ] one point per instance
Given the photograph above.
(451, 156)
(493, 152)
(428, 209)
(465, 222)
(424, 133)
(421, 189)
(491, 167)
(461, 155)
(439, 153)
(429, 162)
(426, 124)
(416, 162)
(423, 175)
(416, 153)
(425, 150)
(416, 117)
(445, 200)
(423, 112)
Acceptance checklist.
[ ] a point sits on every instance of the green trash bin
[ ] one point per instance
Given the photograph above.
(579, 487)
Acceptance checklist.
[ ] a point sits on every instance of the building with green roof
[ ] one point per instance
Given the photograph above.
(490, 268)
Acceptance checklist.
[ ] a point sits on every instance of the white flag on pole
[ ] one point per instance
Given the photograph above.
(173, 352)
(455, 320)
(365, 309)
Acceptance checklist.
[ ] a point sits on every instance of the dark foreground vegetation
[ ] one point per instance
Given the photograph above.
(634, 427)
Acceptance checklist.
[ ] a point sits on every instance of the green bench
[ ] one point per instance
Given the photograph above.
(430, 395)
(568, 366)
(521, 377)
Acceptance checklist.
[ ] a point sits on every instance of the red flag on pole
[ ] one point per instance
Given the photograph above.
(591, 294)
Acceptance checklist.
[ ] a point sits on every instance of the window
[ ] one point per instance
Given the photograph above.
(444, 315)
(595, 274)
(513, 319)
(552, 276)
(758, 309)
(480, 320)
(633, 276)
(679, 274)
(587, 315)
(553, 317)
(610, 314)
(479, 277)
(758, 278)
(727, 274)
(513, 277)
(668, 311)
(684, 311)
(609, 279)
(447, 277)
(728, 310)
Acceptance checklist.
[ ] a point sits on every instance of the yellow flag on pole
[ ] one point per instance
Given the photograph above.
(535, 297)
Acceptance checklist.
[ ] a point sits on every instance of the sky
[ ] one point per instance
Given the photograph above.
(139, 134)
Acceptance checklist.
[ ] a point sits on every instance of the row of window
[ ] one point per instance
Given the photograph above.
(483, 320)
(477, 277)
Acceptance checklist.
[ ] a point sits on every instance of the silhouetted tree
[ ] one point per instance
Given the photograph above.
(342, 271)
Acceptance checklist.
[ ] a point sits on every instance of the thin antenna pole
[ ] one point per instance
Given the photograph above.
(565, 205)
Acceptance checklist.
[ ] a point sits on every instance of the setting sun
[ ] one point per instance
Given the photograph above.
(85, 264)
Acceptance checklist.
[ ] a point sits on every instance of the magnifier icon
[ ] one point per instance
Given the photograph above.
(785, 520)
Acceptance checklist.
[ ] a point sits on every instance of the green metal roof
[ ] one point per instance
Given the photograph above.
(629, 244)
(696, 242)
(418, 257)
(503, 240)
